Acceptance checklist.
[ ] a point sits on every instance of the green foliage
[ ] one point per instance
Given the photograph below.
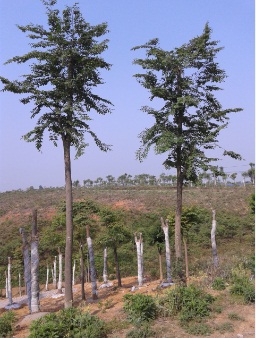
(218, 284)
(7, 324)
(143, 331)
(140, 307)
(198, 329)
(68, 323)
(244, 287)
(189, 303)
(252, 203)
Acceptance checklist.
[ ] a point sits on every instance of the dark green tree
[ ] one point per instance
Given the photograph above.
(64, 69)
(185, 80)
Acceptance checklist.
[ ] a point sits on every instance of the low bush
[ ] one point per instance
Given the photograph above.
(71, 323)
(244, 287)
(218, 284)
(139, 307)
(7, 324)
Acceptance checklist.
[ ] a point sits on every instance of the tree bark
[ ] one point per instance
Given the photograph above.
(27, 266)
(160, 264)
(9, 280)
(213, 240)
(47, 278)
(68, 300)
(92, 264)
(165, 227)
(118, 275)
(60, 273)
(139, 246)
(82, 271)
(74, 273)
(34, 265)
(178, 213)
(105, 266)
(54, 273)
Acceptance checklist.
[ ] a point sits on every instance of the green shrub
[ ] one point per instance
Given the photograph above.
(218, 284)
(242, 286)
(6, 324)
(140, 307)
(68, 323)
(189, 302)
(143, 331)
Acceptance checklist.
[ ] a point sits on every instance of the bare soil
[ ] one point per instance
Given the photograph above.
(109, 307)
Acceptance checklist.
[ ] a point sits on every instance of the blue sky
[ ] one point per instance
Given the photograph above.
(130, 23)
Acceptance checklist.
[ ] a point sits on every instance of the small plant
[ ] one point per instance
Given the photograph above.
(140, 307)
(198, 329)
(242, 286)
(234, 316)
(68, 323)
(225, 327)
(6, 324)
(218, 284)
(143, 331)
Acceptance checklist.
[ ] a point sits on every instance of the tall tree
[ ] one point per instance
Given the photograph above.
(185, 80)
(65, 62)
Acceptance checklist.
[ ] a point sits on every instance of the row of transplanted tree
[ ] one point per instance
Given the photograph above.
(216, 177)
(65, 63)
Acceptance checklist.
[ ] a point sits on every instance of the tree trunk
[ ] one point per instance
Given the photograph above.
(139, 245)
(9, 279)
(186, 258)
(27, 266)
(165, 227)
(34, 265)
(60, 273)
(54, 275)
(82, 271)
(105, 267)
(47, 278)
(118, 275)
(178, 214)
(92, 264)
(213, 240)
(69, 225)
(19, 285)
(160, 264)
(6, 284)
(74, 273)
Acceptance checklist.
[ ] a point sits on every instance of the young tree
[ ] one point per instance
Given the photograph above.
(92, 264)
(213, 240)
(191, 117)
(165, 227)
(35, 290)
(65, 63)
(139, 246)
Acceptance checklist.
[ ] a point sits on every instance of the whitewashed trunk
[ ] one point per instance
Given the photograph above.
(6, 285)
(60, 273)
(213, 240)
(27, 266)
(139, 246)
(165, 227)
(74, 272)
(47, 278)
(9, 283)
(105, 270)
(19, 284)
(82, 272)
(34, 266)
(92, 265)
(54, 277)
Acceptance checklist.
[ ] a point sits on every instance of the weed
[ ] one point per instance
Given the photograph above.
(234, 316)
(218, 284)
(6, 324)
(225, 327)
(198, 329)
(140, 307)
(143, 331)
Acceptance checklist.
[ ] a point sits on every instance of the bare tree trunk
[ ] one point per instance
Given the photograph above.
(105, 266)
(54, 276)
(60, 273)
(47, 278)
(34, 265)
(68, 301)
(19, 285)
(160, 264)
(118, 275)
(74, 272)
(186, 258)
(9, 283)
(82, 271)
(27, 266)
(213, 240)
(165, 227)
(139, 246)
(92, 264)
(6, 284)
